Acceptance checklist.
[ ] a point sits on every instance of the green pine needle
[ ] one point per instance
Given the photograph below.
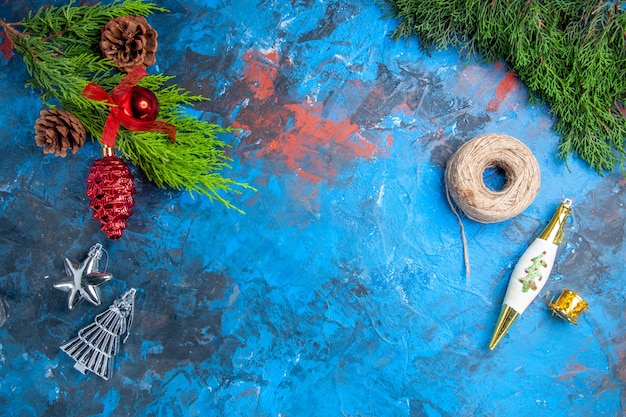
(570, 53)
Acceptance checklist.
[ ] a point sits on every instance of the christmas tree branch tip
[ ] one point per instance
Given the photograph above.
(571, 55)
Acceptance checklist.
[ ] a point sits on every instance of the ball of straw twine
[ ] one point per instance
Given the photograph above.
(464, 177)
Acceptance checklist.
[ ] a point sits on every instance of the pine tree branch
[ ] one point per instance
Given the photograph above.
(570, 53)
(59, 46)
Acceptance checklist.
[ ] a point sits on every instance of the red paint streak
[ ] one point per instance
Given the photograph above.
(574, 369)
(6, 47)
(261, 71)
(621, 365)
(502, 90)
(308, 147)
(296, 134)
(381, 151)
(404, 107)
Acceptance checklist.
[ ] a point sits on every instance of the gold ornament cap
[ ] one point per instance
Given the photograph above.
(107, 151)
(507, 316)
(554, 230)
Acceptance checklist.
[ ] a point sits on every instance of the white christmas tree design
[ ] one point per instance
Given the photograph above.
(533, 272)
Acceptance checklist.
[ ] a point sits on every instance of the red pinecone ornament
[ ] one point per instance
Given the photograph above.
(110, 188)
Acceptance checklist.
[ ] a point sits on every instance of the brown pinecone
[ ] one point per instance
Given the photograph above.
(130, 42)
(59, 130)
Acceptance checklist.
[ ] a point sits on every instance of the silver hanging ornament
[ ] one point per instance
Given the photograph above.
(94, 347)
(84, 278)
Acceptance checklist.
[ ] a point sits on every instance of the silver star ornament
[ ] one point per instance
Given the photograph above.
(84, 279)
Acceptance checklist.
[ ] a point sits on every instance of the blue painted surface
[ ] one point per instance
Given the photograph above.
(342, 290)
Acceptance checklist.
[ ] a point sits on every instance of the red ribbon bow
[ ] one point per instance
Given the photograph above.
(118, 116)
